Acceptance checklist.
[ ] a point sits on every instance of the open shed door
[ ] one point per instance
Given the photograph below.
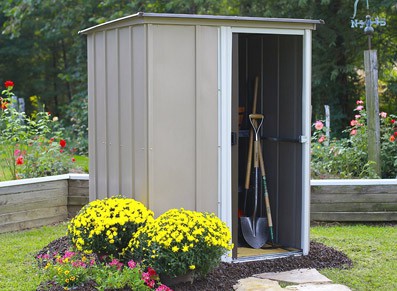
(275, 62)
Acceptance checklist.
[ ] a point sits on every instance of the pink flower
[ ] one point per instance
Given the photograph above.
(358, 102)
(116, 263)
(353, 122)
(131, 264)
(163, 287)
(318, 125)
(73, 160)
(359, 108)
(19, 160)
(321, 139)
(383, 114)
(392, 138)
(61, 151)
(357, 116)
(17, 153)
(353, 132)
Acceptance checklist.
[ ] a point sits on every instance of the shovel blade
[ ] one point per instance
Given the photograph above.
(255, 232)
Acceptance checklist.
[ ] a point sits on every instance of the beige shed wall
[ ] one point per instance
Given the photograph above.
(183, 117)
(153, 129)
(117, 119)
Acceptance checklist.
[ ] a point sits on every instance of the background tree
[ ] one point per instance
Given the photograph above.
(42, 52)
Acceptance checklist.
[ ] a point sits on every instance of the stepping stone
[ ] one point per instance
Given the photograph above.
(300, 276)
(256, 284)
(318, 287)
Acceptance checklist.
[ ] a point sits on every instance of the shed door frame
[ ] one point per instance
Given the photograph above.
(225, 110)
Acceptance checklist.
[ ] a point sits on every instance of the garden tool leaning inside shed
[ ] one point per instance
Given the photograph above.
(254, 228)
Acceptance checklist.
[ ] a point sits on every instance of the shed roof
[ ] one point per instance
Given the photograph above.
(194, 19)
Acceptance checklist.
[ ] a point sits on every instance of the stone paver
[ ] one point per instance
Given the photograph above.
(318, 287)
(256, 284)
(299, 276)
(307, 280)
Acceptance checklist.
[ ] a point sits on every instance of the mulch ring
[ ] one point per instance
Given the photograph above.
(227, 275)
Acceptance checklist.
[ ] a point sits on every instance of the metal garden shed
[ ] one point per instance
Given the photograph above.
(169, 99)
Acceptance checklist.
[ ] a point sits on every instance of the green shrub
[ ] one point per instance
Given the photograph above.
(348, 157)
(106, 226)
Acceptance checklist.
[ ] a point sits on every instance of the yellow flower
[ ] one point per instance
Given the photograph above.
(175, 249)
(192, 267)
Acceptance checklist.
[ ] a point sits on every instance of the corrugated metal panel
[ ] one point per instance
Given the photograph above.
(126, 113)
(101, 101)
(207, 118)
(91, 115)
(112, 111)
(172, 125)
(140, 116)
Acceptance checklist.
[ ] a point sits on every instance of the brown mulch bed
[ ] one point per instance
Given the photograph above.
(227, 275)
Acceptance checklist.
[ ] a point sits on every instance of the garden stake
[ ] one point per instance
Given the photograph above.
(254, 228)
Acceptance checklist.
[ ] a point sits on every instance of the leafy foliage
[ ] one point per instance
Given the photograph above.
(32, 146)
(40, 42)
(348, 157)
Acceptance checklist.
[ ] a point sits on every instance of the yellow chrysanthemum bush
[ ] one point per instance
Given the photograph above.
(180, 241)
(106, 226)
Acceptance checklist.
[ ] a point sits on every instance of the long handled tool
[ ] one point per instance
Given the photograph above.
(251, 141)
(254, 228)
(267, 202)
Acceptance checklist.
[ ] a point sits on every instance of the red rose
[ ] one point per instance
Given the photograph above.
(395, 134)
(392, 121)
(8, 84)
(20, 160)
(62, 143)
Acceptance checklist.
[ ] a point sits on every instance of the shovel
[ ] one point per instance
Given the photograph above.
(254, 228)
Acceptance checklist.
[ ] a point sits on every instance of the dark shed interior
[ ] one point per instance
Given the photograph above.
(275, 61)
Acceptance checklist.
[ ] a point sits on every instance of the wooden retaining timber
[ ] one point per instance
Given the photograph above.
(354, 200)
(42, 201)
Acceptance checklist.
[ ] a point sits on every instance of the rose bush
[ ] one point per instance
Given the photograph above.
(32, 146)
(348, 157)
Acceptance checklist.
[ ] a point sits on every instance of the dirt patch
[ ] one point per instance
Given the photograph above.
(227, 275)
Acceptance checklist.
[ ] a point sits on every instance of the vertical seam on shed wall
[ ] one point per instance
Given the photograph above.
(106, 113)
(149, 119)
(197, 81)
(92, 121)
(119, 149)
(132, 125)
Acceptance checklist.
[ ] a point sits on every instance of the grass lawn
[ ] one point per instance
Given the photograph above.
(372, 249)
(18, 268)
